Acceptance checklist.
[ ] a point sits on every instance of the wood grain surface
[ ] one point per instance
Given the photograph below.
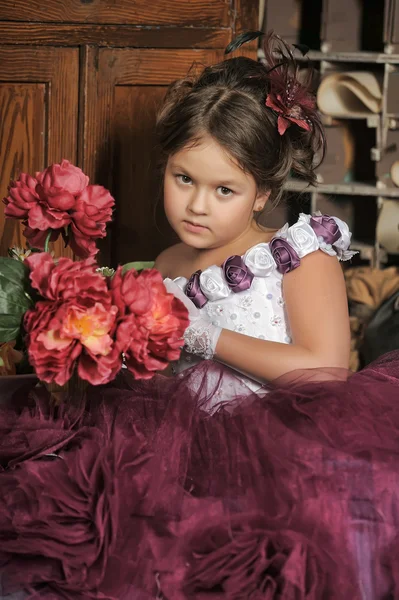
(38, 118)
(139, 12)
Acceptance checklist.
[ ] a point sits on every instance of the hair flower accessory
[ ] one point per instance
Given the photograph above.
(291, 105)
(289, 90)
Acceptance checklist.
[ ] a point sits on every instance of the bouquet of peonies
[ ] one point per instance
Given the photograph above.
(71, 317)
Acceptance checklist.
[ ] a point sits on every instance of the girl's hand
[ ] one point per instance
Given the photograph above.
(201, 336)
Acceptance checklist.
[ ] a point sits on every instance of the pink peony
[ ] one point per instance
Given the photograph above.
(92, 210)
(73, 324)
(60, 199)
(152, 321)
(62, 177)
(22, 197)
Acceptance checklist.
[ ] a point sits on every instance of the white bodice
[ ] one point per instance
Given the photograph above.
(259, 310)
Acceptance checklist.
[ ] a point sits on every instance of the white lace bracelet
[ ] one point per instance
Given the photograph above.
(201, 339)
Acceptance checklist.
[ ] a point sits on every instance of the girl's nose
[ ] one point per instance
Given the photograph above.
(198, 202)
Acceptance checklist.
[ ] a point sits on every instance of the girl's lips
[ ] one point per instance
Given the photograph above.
(194, 228)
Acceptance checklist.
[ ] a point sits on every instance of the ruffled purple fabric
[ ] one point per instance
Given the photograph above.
(136, 491)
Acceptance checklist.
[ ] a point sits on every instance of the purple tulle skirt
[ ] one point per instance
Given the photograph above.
(141, 491)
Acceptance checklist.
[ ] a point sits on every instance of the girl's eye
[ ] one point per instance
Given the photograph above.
(225, 191)
(184, 179)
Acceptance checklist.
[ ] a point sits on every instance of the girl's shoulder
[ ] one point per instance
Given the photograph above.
(283, 252)
(172, 258)
(310, 233)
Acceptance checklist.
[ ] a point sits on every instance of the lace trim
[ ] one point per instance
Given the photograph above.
(198, 340)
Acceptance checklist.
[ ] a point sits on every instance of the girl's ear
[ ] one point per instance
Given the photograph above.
(260, 201)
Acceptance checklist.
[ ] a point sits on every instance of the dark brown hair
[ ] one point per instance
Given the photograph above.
(227, 102)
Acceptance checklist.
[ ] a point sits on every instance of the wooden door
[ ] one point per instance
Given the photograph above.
(124, 88)
(38, 119)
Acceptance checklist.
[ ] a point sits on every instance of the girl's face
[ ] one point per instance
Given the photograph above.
(209, 200)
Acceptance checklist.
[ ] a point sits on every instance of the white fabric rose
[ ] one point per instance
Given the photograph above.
(341, 246)
(260, 261)
(303, 218)
(282, 233)
(181, 282)
(302, 238)
(213, 284)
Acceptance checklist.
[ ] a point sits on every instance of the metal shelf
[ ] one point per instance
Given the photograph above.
(346, 57)
(369, 252)
(346, 189)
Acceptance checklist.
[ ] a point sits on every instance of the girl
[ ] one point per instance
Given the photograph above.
(216, 483)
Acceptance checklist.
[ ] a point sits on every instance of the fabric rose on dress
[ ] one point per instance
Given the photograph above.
(302, 238)
(260, 261)
(325, 227)
(284, 254)
(238, 275)
(194, 292)
(72, 324)
(342, 244)
(75, 519)
(242, 557)
(181, 282)
(151, 321)
(213, 284)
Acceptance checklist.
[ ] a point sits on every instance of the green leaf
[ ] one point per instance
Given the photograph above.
(9, 327)
(15, 270)
(138, 265)
(15, 297)
(15, 304)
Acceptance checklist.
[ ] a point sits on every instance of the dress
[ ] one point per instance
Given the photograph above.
(209, 485)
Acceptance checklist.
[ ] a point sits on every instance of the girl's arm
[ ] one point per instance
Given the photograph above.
(317, 310)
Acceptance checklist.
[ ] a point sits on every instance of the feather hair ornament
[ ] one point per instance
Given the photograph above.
(288, 97)
(242, 38)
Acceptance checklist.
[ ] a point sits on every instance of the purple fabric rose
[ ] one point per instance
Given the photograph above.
(194, 292)
(284, 254)
(325, 227)
(237, 274)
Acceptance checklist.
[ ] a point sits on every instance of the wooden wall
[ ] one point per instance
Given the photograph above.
(82, 79)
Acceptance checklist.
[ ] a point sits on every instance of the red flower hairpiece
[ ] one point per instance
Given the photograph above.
(287, 96)
(291, 107)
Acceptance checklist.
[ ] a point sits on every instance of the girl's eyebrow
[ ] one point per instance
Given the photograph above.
(220, 182)
(178, 167)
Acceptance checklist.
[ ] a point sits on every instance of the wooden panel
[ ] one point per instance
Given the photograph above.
(246, 13)
(141, 229)
(113, 35)
(22, 123)
(120, 100)
(38, 118)
(143, 12)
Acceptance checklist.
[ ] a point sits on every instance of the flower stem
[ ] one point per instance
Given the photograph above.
(46, 243)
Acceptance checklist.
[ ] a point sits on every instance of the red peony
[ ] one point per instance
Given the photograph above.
(63, 177)
(152, 321)
(79, 322)
(60, 199)
(91, 212)
(22, 197)
(73, 324)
